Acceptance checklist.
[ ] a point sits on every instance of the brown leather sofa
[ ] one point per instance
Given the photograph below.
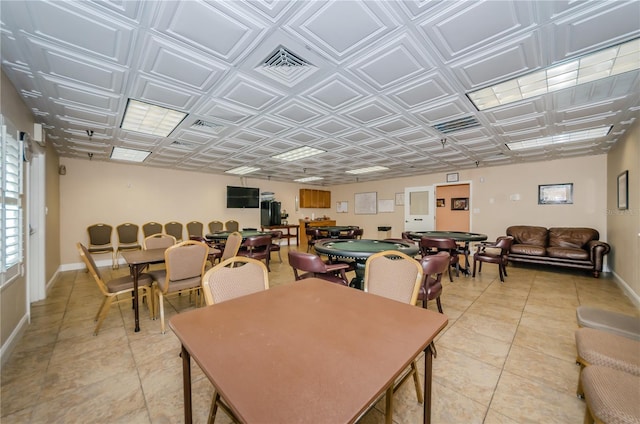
(570, 247)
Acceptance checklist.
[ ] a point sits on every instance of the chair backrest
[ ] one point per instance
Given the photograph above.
(159, 241)
(258, 246)
(127, 234)
(215, 226)
(504, 243)
(151, 228)
(91, 266)
(234, 277)
(185, 261)
(433, 266)
(194, 228)
(99, 235)
(307, 262)
(431, 245)
(276, 235)
(231, 247)
(394, 275)
(232, 225)
(358, 233)
(174, 228)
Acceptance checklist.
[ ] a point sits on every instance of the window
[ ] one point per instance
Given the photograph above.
(11, 210)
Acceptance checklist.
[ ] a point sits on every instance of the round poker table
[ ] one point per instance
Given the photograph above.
(359, 251)
(459, 236)
(223, 235)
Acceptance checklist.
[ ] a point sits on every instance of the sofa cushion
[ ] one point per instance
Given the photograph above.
(528, 249)
(526, 234)
(568, 253)
(576, 238)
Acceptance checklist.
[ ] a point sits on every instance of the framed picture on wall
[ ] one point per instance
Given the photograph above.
(460, 204)
(555, 194)
(439, 203)
(623, 190)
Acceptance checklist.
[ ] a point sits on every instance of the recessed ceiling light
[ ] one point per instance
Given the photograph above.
(131, 155)
(241, 170)
(560, 138)
(150, 119)
(602, 64)
(299, 153)
(366, 170)
(307, 179)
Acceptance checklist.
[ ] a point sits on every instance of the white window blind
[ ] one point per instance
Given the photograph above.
(11, 212)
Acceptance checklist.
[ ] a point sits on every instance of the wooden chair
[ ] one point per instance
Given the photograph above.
(194, 228)
(495, 253)
(185, 263)
(158, 241)
(313, 266)
(127, 238)
(232, 278)
(151, 228)
(174, 228)
(232, 246)
(396, 276)
(100, 241)
(111, 289)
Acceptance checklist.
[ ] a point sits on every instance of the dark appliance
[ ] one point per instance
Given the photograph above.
(243, 197)
(270, 213)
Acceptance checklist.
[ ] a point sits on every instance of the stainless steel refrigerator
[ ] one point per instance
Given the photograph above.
(270, 213)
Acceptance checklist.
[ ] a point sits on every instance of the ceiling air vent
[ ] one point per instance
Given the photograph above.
(283, 57)
(457, 125)
(182, 144)
(207, 126)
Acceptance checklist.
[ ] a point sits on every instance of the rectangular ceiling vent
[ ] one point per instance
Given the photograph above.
(284, 57)
(207, 126)
(457, 125)
(182, 144)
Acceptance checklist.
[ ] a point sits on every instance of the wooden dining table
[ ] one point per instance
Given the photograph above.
(306, 352)
(137, 261)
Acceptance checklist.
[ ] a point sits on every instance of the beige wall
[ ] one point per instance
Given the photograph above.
(446, 218)
(623, 226)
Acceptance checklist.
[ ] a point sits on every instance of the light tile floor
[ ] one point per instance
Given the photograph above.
(506, 356)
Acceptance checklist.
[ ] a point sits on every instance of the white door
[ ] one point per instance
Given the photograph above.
(419, 208)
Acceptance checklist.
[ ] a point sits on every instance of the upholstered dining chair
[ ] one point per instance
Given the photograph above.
(313, 235)
(215, 226)
(100, 241)
(433, 266)
(185, 263)
(194, 228)
(495, 253)
(158, 241)
(127, 238)
(433, 245)
(174, 228)
(232, 246)
(232, 278)
(307, 265)
(232, 225)
(257, 247)
(112, 289)
(396, 276)
(276, 236)
(151, 228)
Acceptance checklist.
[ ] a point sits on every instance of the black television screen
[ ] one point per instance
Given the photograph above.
(243, 197)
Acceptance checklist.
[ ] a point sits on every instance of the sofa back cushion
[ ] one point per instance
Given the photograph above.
(527, 234)
(571, 237)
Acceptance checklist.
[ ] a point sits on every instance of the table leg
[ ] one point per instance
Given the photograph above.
(186, 384)
(135, 273)
(428, 364)
(358, 280)
(388, 415)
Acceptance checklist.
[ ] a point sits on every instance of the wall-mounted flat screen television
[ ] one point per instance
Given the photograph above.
(243, 197)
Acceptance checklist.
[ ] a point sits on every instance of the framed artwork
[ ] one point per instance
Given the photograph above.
(460, 204)
(399, 199)
(439, 203)
(452, 177)
(555, 194)
(366, 203)
(342, 207)
(623, 190)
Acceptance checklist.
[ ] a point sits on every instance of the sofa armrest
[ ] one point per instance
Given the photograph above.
(597, 250)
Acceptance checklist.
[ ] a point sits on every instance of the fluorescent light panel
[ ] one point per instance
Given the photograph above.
(560, 138)
(299, 153)
(602, 64)
(131, 155)
(307, 179)
(366, 170)
(150, 119)
(241, 170)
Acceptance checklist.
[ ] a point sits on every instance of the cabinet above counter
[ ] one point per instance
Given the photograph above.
(311, 198)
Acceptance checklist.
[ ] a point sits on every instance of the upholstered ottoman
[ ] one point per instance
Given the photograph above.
(612, 322)
(611, 396)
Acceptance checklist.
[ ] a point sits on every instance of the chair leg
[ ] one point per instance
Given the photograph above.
(416, 382)
(102, 314)
(214, 407)
(500, 273)
(100, 309)
(161, 304)
(439, 304)
(450, 274)
(388, 415)
(473, 274)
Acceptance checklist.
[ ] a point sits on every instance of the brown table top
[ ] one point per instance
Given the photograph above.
(138, 257)
(305, 352)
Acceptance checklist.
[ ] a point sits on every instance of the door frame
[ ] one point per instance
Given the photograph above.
(471, 209)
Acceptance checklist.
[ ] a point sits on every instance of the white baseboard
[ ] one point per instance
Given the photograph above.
(635, 298)
(13, 339)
